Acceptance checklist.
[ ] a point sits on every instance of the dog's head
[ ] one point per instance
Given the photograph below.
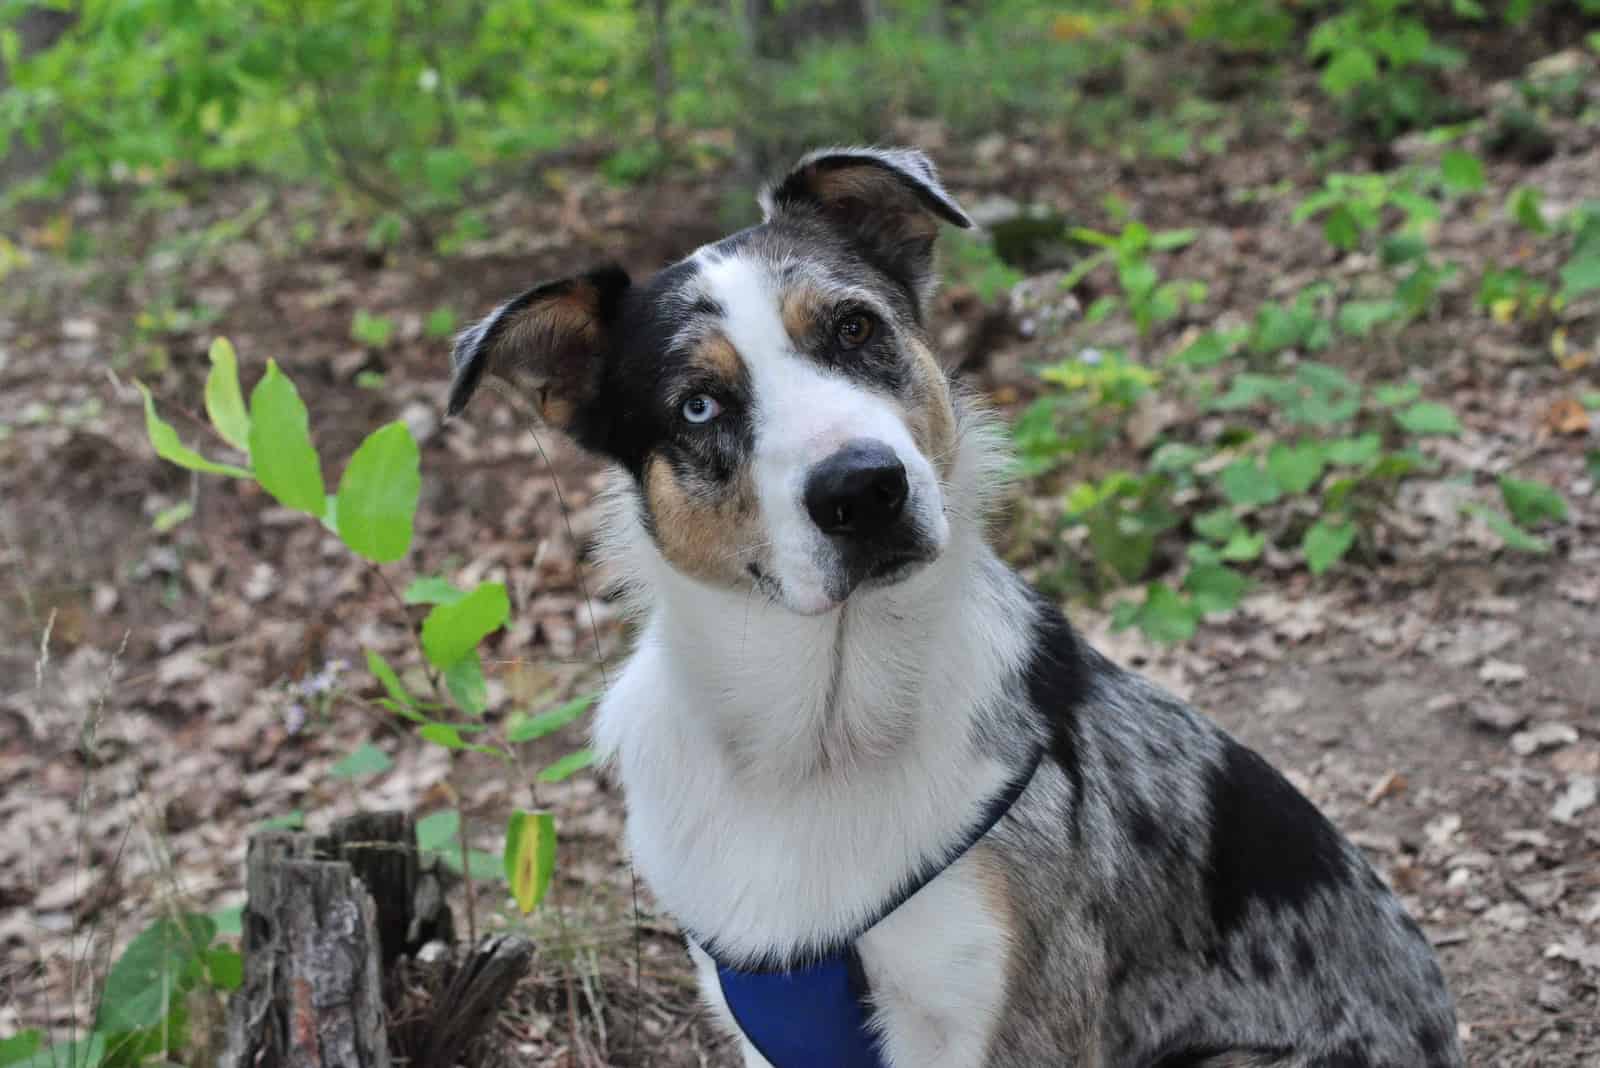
(774, 395)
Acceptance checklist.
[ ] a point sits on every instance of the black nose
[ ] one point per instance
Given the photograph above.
(858, 491)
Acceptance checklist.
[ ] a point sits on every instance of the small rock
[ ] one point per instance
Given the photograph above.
(1442, 828)
(1510, 915)
(1552, 997)
(1497, 716)
(1544, 736)
(1502, 671)
(1541, 893)
(1581, 793)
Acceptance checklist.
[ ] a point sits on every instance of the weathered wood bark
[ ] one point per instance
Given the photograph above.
(380, 848)
(464, 1001)
(326, 923)
(312, 995)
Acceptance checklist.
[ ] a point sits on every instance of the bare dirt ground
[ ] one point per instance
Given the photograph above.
(1442, 703)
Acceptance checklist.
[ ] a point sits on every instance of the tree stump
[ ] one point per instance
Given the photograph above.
(312, 994)
(327, 922)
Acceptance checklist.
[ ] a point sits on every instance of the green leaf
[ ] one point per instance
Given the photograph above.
(1207, 350)
(448, 736)
(1245, 482)
(1462, 171)
(1524, 205)
(1350, 69)
(1531, 503)
(1219, 524)
(1341, 228)
(1243, 546)
(465, 682)
(1394, 394)
(1215, 587)
(481, 866)
(21, 1045)
(378, 494)
(524, 728)
(168, 518)
(437, 831)
(87, 1052)
(224, 402)
(432, 589)
(229, 921)
(1326, 543)
(371, 330)
(1359, 317)
(1512, 535)
(224, 968)
(367, 760)
(441, 323)
(1176, 456)
(567, 766)
(1428, 417)
(1581, 275)
(1165, 616)
(285, 461)
(391, 681)
(292, 820)
(153, 974)
(530, 856)
(1296, 468)
(1592, 463)
(169, 448)
(451, 631)
(1354, 451)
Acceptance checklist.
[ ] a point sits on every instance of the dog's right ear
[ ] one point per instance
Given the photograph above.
(549, 344)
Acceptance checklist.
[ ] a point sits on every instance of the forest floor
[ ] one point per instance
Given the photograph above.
(1442, 705)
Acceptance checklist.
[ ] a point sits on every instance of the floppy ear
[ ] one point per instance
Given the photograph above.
(887, 200)
(549, 344)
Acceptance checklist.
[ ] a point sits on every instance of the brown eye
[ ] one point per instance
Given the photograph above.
(855, 330)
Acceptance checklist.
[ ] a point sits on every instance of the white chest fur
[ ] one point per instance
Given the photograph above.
(745, 837)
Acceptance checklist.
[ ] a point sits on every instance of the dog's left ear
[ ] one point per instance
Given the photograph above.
(888, 200)
(550, 344)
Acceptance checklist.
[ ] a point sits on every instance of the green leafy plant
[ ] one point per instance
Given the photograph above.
(1149, 300)
(143, 1013)
(373, 514)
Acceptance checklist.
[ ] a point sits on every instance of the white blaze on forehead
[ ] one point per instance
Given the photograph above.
(802, 413)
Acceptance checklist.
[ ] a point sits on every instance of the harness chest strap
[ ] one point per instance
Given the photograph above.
(816, 1013)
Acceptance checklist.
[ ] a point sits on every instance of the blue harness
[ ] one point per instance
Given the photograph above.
(813, 1012)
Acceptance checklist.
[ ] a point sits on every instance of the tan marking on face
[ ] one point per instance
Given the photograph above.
(716, 355)
(930, 412)
(803, 311)
(706, 533)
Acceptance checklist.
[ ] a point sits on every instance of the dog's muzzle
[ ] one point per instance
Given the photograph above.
(858, 497)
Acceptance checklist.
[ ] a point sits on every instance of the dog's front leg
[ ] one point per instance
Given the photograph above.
(711, 993)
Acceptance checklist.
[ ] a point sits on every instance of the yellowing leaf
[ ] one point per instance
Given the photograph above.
(224, 401)
(530, 856)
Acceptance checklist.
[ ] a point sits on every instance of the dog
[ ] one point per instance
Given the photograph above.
(905, 815)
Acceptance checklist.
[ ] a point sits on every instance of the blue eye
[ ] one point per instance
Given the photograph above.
(701, 408)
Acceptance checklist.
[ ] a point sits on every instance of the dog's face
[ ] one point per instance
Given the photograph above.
(773, 395)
